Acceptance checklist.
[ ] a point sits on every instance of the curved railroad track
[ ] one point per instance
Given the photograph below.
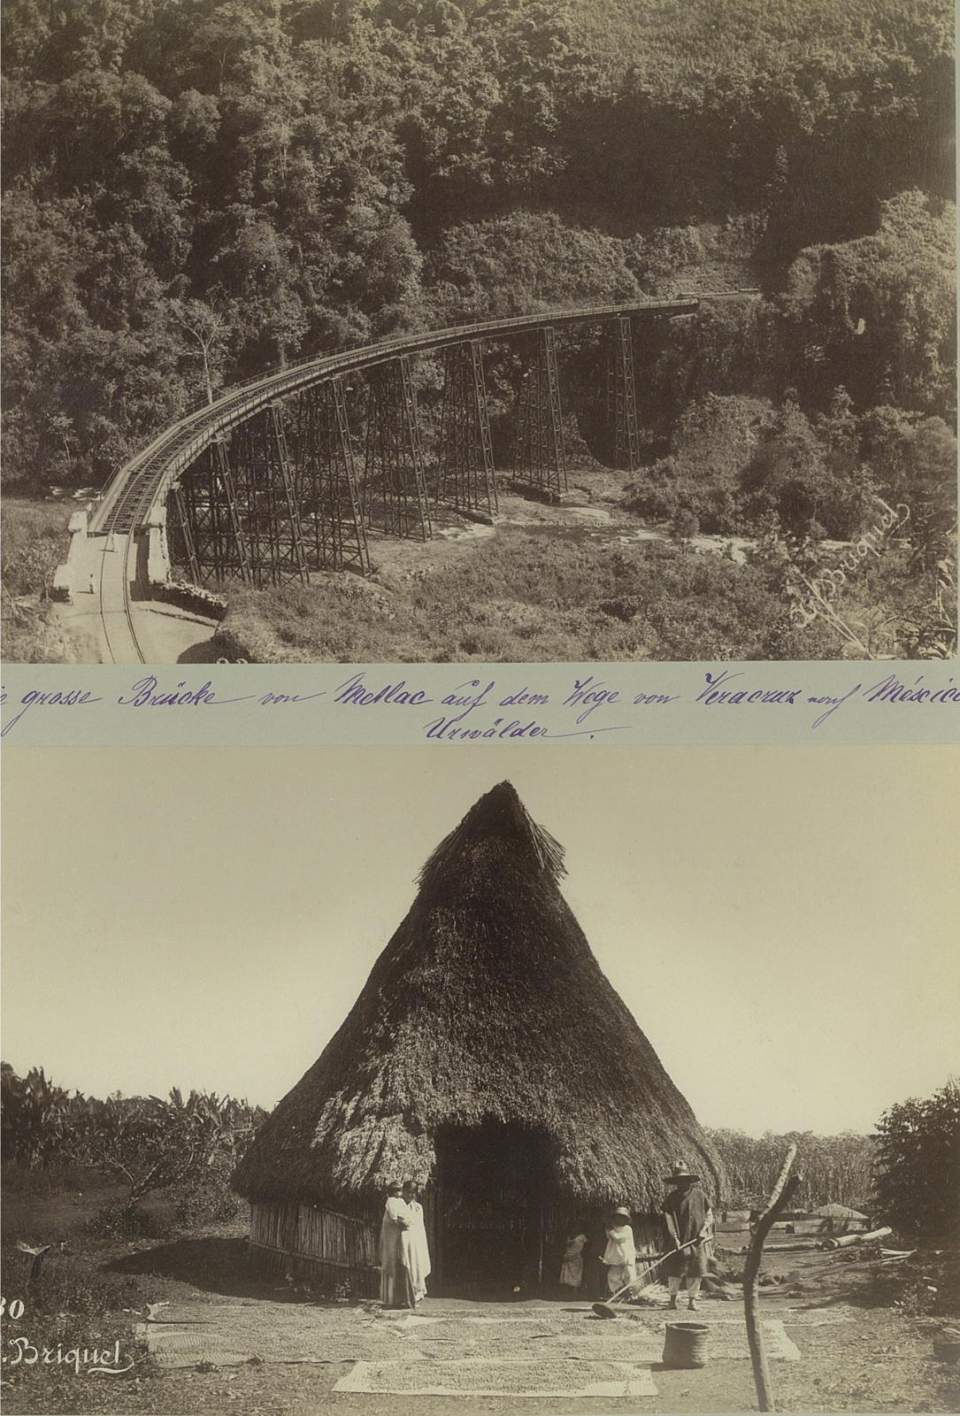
(134, 495)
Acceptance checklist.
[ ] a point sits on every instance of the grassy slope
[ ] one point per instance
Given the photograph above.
(33, 543)
(521, 598)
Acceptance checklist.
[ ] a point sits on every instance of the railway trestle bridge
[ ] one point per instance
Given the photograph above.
(286, 474)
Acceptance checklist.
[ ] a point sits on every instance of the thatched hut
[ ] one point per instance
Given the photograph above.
(838, 1219)
(488, 1058)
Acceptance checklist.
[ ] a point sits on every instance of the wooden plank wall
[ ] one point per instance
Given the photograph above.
(304, 1239)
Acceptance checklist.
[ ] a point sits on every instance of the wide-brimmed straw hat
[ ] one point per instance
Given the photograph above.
(681, 1171)
(622, 1212)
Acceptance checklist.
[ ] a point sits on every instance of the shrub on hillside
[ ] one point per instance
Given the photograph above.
(125, 1220)
(34, 542)
(879, 311)
(714, 442)
(657, 257)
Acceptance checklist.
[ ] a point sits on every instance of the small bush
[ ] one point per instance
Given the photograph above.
(208, 1204)
(34, 542)
(69, 1285)
(125, 1221)
(926, 1285)
(686, 523)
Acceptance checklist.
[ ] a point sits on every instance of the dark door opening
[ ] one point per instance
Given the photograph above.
(492, 1210)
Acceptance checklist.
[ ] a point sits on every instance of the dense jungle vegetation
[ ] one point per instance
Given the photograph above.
(198, 189)
(189, 1146)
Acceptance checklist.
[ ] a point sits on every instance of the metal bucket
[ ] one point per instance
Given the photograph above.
(685, 1345)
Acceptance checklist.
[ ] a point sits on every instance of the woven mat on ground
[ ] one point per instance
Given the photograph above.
(228, 1334)
(621, 1342)
(494, 1377)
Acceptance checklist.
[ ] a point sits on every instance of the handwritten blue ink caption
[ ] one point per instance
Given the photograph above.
(58, 698)
(478, 709)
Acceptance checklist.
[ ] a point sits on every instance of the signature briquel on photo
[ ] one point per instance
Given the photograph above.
(815, 592)
(21, 1351)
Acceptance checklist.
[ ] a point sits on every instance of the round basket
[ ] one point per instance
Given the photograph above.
(685, 1345)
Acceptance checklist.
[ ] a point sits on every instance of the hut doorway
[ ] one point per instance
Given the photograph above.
(492, 1210)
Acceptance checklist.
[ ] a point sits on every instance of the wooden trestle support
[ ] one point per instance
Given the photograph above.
(325, 481)
(207, 519)
(466, 478)
(538, 459)
(281, 501)
(394, 484)
(622, 396)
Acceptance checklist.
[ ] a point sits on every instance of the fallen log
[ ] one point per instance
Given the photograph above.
(786, 1248)
(845, 1241)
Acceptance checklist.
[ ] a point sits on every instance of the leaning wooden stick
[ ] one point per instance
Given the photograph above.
(780, 1196)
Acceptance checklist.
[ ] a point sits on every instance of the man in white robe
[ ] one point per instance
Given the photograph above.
(413, 1243)
(396, 1286)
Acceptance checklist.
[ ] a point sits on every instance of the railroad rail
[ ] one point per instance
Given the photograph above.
(118, 628)
(131, 498)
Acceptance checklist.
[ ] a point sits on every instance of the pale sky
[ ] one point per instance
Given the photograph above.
(781, 922)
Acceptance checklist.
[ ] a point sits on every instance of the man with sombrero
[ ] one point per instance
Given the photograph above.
(689, 1223)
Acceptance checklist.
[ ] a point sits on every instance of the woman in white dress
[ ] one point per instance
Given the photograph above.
(396, 1288)
(414, 1243)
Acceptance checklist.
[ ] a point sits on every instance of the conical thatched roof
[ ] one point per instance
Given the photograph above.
(486, 1005)
(835, 1211)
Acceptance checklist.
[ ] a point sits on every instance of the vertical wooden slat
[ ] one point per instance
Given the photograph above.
(334, 1247)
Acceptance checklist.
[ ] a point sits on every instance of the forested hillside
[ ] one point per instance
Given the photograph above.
(198, 189)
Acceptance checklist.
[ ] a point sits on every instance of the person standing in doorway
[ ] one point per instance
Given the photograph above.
(571, 1271)
(689, 1222)
(413, 1243)
(620, 1255)
(396, 1285)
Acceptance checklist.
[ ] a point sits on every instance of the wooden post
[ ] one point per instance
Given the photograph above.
(439, 1259)
(780, 1197)
(540, 1241)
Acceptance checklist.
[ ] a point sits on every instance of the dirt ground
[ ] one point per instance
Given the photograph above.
(875, 1358)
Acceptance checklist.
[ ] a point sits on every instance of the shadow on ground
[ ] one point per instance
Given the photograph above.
(205, 651)
(213, 1265)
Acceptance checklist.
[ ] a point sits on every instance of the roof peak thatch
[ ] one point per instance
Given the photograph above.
(498, 813)
(487, 1006)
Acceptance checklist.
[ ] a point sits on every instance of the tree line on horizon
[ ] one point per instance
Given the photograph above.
(907, 1172)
